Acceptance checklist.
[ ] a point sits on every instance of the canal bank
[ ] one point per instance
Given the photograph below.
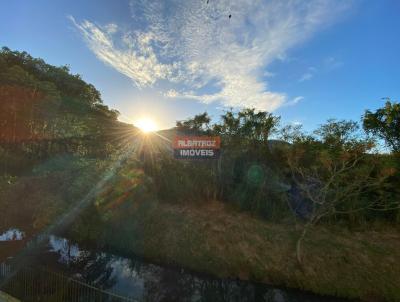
(215, 240)
(65, 271)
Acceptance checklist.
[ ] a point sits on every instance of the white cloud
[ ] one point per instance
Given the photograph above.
(295, 101)
(111, 28)
(194, 45)
(172, 93)
(308, 75)
(268, 74)
(139, 63)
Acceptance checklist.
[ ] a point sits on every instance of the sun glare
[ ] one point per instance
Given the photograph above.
(146, 125)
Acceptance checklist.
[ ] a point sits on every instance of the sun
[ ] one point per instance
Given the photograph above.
(146, 125)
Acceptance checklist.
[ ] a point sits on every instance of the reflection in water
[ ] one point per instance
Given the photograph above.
(12, 235)
(66, 250)
(148, 282)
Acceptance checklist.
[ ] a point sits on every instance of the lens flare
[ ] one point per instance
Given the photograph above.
(146, 125)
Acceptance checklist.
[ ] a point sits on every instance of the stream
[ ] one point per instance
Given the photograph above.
(144, 281)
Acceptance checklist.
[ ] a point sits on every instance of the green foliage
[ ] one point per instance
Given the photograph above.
(335, 169)
(339, 176)
(49, 116)
(247, 125)
(245, 175)
(385, 123)
(45, 110)
(339, 135)
(199, 123)
(181, 182)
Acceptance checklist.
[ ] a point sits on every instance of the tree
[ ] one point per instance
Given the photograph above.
(334, 171)
(247, 175)
(385, 123)
(247, 125)
(45, 110)
(200, 123)
(240, 174)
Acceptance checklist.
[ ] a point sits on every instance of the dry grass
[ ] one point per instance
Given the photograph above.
(215, 239)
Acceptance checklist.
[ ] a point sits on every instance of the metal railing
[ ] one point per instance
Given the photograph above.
(41, 284)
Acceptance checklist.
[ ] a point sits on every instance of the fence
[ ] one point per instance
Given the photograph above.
(41, 284)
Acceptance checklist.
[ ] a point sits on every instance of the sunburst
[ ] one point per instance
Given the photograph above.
(146, 125)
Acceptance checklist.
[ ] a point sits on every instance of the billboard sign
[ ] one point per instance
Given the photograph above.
(196, 147)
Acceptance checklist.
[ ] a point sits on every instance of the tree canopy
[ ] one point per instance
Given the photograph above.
(385, 123)
(46, 110)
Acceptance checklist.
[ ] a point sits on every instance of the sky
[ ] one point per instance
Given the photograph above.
(306, 61)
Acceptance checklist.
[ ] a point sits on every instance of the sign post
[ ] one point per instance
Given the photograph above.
(196, 147)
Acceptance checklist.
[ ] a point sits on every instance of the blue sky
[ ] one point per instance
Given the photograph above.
(304, 60)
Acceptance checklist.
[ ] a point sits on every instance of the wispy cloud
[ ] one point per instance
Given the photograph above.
(295, 101)
(192, 45)
(308, 75)
(139, 63)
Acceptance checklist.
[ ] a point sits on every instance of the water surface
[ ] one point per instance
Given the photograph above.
(144, 281)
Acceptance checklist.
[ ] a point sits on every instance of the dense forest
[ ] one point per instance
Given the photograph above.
(58, 141)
